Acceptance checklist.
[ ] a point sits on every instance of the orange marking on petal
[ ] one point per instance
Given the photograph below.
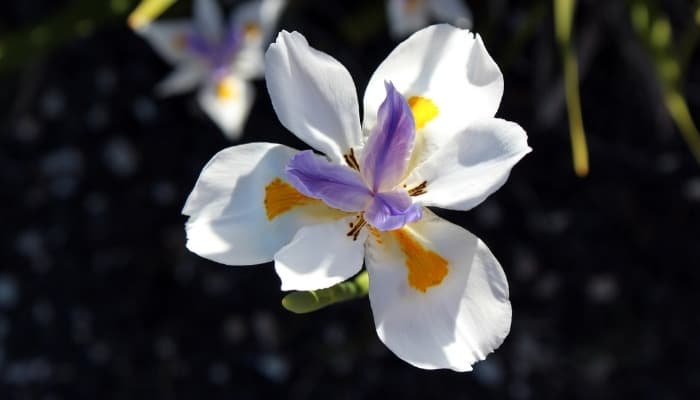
(412, 5)
(179, 42)
(281, 197)
(251, 29)
(424, 110)
(426, 268)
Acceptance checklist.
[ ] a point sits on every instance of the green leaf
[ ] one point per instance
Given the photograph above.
(147, 11)
(563, 21)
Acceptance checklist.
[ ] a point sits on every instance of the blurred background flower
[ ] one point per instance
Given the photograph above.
(215, 55)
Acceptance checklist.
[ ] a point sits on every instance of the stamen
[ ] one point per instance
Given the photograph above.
(419, 190)
(355, 230)
(351, 160)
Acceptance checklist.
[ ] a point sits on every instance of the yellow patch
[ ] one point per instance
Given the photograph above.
(426, 268)
(226, 89)
(424, 110)
(281, 197)
(251, 30)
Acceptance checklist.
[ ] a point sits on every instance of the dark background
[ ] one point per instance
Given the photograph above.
(99, 299)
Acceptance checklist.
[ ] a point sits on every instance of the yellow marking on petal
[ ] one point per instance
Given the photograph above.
(426, 268)
(226, 89)
(251, 30)
(281, 197)
(424, 110)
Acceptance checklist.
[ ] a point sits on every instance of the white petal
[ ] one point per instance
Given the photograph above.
(168, 39)
(405, 19)
(228, 222)
(448, 66)
(320, 256)
(249, 62)
(229, 111)
(208, 18)
(184, 78)
(452, 11)
(473, 165)
(263, 13)
(452, 324)
(313, 95)
(258, 19)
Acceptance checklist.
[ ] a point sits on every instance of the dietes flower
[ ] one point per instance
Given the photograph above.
(407, 16)
(216, 56)
(429, 138)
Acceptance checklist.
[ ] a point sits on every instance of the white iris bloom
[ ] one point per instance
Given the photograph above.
(429, 138)
(219, 57)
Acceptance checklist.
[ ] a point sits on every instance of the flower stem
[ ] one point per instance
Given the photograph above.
(309, 301)
(563, 21)
(147, 11)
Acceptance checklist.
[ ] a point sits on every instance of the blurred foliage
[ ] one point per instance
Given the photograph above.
(654, 30)
(563, 22)
(147, 11)
(80, 19)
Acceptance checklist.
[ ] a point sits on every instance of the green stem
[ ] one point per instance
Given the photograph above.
(308, 301)
(563, 21)
(678, 108)
(147, 11)
(579, 147)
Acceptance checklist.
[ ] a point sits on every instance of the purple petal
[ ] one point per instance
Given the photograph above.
(337, 185)
(198, 44)
(392, 210)
(228, 47)
(390, 144)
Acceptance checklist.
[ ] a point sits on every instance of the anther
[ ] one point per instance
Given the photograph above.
(418, 190)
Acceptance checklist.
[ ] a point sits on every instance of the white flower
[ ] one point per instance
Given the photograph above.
(429, 138)
(217, 56)
(407, 16)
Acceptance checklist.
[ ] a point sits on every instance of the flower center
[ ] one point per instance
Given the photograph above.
(218, 54)
(370, 186)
